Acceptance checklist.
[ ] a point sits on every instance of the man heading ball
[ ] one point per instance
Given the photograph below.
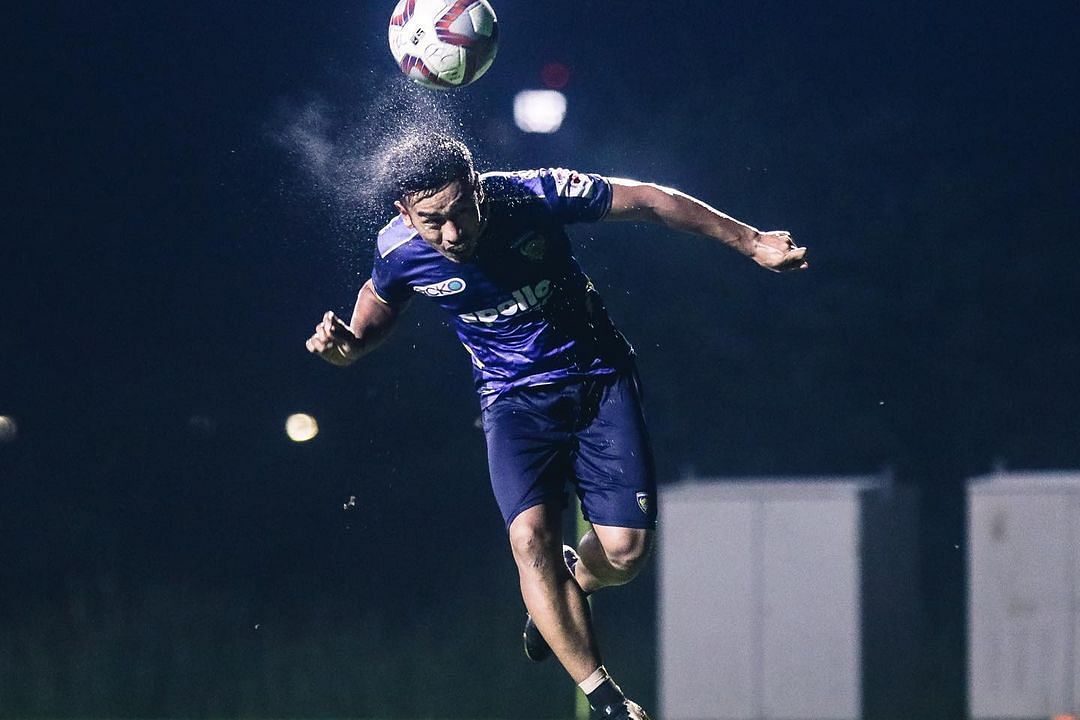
(558, 387)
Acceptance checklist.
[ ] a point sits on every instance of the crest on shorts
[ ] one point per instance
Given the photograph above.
(643, 502)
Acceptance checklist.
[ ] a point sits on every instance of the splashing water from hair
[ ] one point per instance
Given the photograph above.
(343, 158)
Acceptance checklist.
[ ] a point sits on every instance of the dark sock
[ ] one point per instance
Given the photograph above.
(606, 699)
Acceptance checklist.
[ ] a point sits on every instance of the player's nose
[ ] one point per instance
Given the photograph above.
(450, 233)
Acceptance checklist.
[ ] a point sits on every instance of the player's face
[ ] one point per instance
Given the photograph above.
(448, 220)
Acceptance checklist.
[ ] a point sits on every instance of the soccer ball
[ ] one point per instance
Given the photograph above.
(443, 43)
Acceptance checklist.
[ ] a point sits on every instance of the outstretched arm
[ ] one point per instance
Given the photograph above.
(646, 202)
(341, 344)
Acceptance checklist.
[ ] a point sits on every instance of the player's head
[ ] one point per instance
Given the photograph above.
(437, 191)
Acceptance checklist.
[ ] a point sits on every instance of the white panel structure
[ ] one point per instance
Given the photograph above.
(1023, 575)
(715, 585)
(812, 615)
(1076, 604)
(759, 600)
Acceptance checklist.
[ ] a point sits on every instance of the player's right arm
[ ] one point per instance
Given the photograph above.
(372, 320)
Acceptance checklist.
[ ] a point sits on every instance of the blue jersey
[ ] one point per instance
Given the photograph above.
(521, 305)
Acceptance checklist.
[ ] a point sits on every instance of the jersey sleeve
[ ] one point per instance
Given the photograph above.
(387, 280)
(571, 196)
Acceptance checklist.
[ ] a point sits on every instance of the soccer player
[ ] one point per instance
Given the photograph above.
(558, 389)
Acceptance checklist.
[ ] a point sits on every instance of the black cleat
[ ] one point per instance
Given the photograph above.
(536, 647)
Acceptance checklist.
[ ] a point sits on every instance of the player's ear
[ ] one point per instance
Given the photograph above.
(405, 216)
(478, 189)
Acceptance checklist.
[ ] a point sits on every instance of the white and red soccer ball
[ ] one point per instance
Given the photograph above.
(443, 43)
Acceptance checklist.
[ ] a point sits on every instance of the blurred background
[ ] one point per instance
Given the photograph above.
(184, 197)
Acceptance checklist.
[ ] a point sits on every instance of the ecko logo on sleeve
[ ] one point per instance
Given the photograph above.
(521, 300)
(441, 289)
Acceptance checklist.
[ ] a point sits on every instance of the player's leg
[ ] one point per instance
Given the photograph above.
(530, 442)
(611, 555)
(558, 608)
(616, 484)
(615, 557)
(555, 603)
(529, 436)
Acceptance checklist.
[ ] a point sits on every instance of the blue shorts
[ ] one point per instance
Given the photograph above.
(591, 433)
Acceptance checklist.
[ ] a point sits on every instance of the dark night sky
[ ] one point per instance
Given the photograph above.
(165, 256)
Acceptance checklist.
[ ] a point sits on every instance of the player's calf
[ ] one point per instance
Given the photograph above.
(536, 647)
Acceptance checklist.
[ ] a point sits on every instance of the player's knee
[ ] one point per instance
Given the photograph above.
(533, 542)
(627, 551)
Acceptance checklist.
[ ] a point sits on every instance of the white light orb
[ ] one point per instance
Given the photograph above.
(539, 111)
(301, 427)
(8, 429)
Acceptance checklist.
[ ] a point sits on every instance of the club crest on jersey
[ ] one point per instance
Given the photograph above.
(524, 299)
(643, 502)
(532, 246)
(441, 289)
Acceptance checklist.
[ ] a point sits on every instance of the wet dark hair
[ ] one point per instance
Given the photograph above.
(421, 164)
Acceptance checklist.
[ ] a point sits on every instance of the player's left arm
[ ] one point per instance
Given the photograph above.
(635, 201)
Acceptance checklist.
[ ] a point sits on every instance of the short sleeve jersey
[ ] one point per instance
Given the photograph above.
(521, 305)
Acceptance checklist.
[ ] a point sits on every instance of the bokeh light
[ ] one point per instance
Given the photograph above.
(555, 75)
(539, 111)
(8, 429)
(301, 427)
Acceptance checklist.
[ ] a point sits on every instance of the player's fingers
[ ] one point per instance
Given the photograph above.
(336, 330)
(333, 325)
(781, 242)
(316, 345)
(791, 260)
(341, 331)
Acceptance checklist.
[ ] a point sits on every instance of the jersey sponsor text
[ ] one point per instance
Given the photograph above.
(522, 300)
(443, 288)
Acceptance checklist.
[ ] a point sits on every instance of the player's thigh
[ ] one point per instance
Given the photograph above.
(529, 449)
(613, 465)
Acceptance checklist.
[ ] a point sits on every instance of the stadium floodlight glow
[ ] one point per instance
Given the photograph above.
(539, 111)
(8, 429)
(301, 427)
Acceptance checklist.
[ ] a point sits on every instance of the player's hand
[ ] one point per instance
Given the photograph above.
(776, 251)
(333, 341)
